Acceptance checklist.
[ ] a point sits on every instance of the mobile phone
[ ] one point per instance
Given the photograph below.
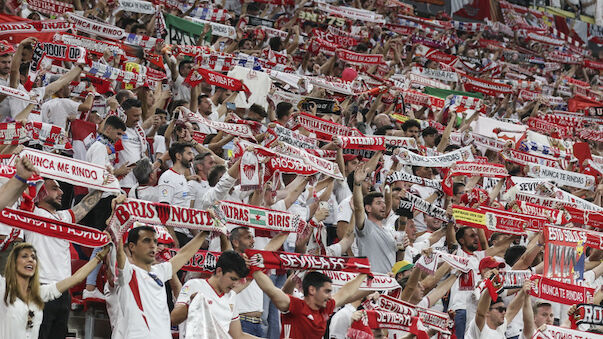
(231, 106)
(131, 165)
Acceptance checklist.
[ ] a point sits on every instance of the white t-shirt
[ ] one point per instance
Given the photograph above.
(181, 91)
(54, 258)
(251, 299)
(148, 193)
(132, 152)
(198, 189)
(341, 322)
(473, 331)
(116, 317)
(222, 306)
(173, 189)
(143, 301)
(56, 111)
(461, 299)
(13, 323)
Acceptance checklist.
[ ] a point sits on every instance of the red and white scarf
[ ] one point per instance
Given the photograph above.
(89, 44)
(369, 143)
(421, 81)
(217, 79)
(423, 206)
(333, 86)
(61, 52)
(73, 171)
(523, 158)
(340, 40)
(291, 137)
(488, 221)
(358, 58)
(471, 169)
(406, 177)
(74, 233)
(210, 14)
(533, 222)
(34, 66)
(107, 72)
(436, 74)
(202, 261)
(444, 160)
(555, 291)
(430, 264)
(16, 93)
(553, 332)
(137, 6)
(380, 282)
(396, 321)
(324, 129)
(216, 28)
(50, 7)
(472, 84)
(438, 321)
(240, 130)
(352, 13)
(589, 314)
(284, 260)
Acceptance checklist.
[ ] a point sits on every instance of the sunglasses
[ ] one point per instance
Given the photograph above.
(30, 317)
(500, 309)
(157, 280)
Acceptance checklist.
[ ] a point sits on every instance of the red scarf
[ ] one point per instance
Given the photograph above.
(359, 59)
(368, 143)
(488, 221)
(217, 79)
(555, 291)
(324, 129)
(472, 169)
(202, 261)
(284, 260)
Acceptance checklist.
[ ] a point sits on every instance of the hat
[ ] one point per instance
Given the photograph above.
(489, 262)
(350, 157)
(6, 47)
(402, 266)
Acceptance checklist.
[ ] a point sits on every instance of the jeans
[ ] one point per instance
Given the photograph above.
(252, 328)
(460, 318)
(91, 278)
(271, 314)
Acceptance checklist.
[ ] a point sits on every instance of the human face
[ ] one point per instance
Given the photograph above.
(186, 69)
(114, 134)
(207, 164)
(429, 140)
(187, 157)
(544, 315)
(411, 230)
(26, 263)
(470, 241)
(205, 106)
(456, 198)
(351, 165)
(245, 241)
(496, 316)
(424, 172)
(5, 61)
(54, 193)
(412, 132)
(377, 208)
(322, 295)
(133, 116)
(145, 248)
(226, 281)
(162, 119)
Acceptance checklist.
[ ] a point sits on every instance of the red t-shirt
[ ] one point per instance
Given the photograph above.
(305, 322)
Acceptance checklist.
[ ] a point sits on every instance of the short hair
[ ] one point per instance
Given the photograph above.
(282, 109)
(513, 253)
(456, 187)
(231, 261)
(429, 131)
(24, 69)
(134, 27)
(215, 174)
(201, 97)
(451, 148)
(115, 122)
(134, 233)
(538, 305)
(183, 63)
(259, 110)
(369, 198)
(275, 43)
(460, 233)
(199, 157)
(122, 95)
(178, 148)
(143, 171)
(236, 232)
(410, 123)
(161, 111)
(315, 279)
(129, 103)
(498, 300)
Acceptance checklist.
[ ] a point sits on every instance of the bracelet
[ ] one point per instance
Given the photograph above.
(160, 160)
(16, 176)
(357, 184)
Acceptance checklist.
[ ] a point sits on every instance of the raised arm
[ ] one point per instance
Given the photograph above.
(11, 190)
(187, 252)
(86, 205)
(83, 272)
(528, 317)
(347, 293)
(278, 297)
(482, 307)
(359, 176)
(517, 302)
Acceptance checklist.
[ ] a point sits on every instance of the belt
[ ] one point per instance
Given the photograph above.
(253, 320)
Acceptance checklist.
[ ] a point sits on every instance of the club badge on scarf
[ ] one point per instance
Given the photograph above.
(588, 314)
(259, 217)
(555, 291)
(250, 171)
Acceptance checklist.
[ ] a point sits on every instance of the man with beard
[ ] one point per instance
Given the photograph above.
(173, 187)
(374, 240)
(53, 254)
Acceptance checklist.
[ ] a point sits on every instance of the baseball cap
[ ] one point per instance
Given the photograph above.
(402, 266)
(489, 262)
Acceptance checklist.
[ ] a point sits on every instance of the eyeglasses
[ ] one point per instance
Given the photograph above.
(30, 316)
(157, 280)
(500, 309)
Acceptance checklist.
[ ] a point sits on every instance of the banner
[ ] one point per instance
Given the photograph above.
(73, 171)
(90, 45)
(74, 233)
(444, 160)
(476, 218)
(555, 291)
(181, 31)
(561, 177)
(259, 217)
(380, 282)
(554, 332)
(564, 254)
(324, 129)
(358, 58)
(137, 6)
(473, 84)
(296, 261)
(240, 130)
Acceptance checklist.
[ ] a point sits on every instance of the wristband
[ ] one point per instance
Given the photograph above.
(16, 176)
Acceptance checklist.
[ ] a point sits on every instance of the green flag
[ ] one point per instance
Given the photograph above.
(257, 217)
(443, 93)
(181, 31)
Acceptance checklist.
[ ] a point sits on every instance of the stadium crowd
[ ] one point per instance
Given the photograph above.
(300, 169)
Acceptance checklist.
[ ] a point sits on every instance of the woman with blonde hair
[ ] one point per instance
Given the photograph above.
(22, 295)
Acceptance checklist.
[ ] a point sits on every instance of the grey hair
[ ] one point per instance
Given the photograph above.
(143, 171)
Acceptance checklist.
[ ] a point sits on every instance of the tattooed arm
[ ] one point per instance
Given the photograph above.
(86, 205)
